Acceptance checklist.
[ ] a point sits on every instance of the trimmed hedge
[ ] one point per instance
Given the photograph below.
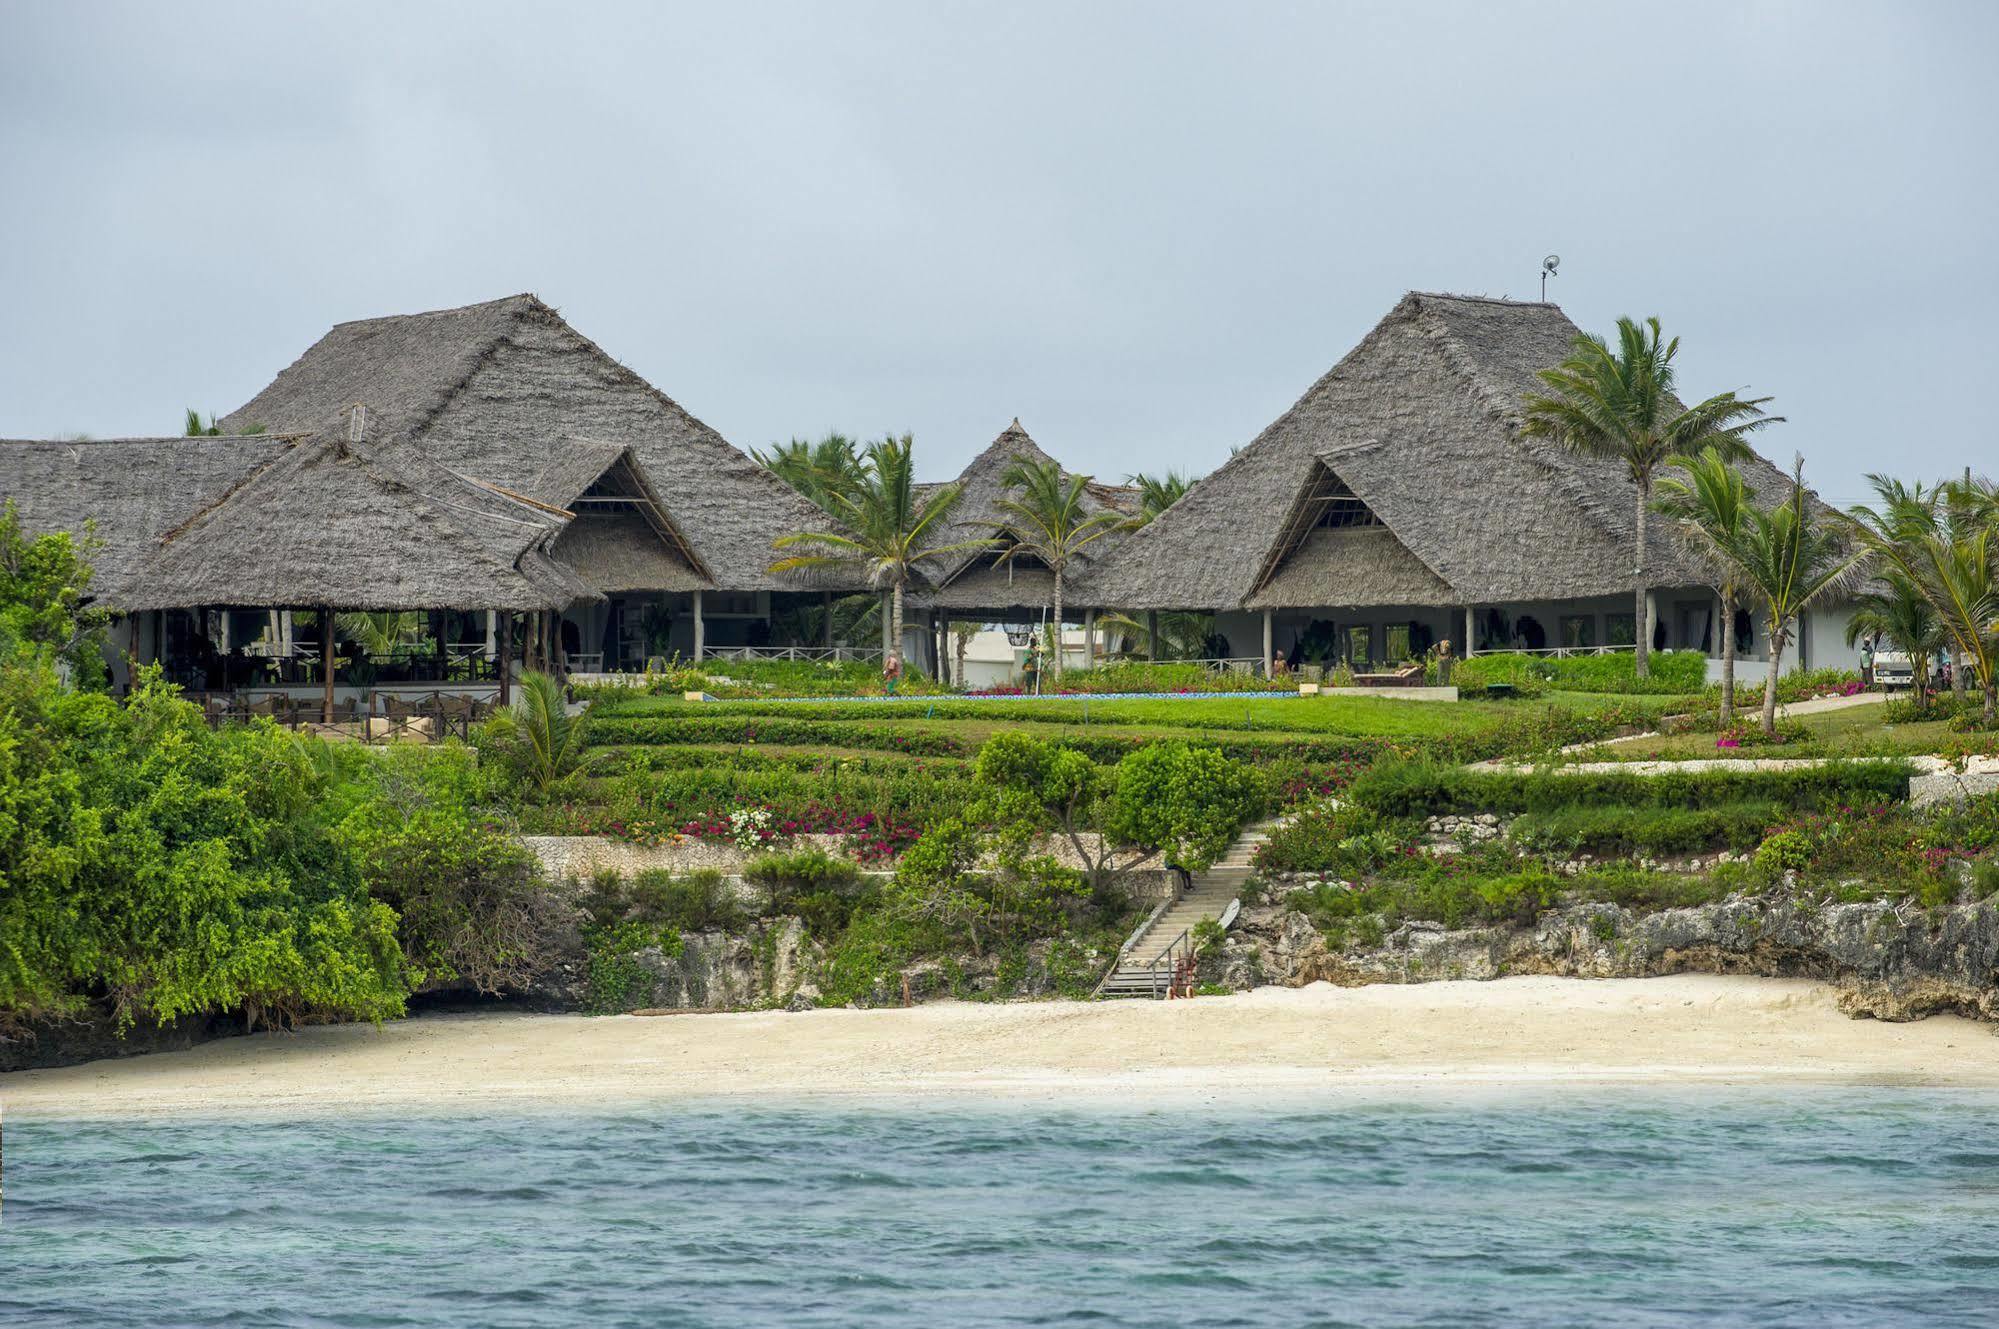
(1672, 672)
(1422, 789)
(1653, 832)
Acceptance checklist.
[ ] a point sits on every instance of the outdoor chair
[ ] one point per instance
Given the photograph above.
(1409, 675)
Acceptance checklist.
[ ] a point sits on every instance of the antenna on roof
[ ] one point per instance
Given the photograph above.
(1548, 266)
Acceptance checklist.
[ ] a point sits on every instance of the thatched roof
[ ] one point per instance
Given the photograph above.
(983, 484)
(504, 391)
(127, 491)
(359, 526)
(1421, 424)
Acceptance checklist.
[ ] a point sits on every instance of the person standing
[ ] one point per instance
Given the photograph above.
(891, 671)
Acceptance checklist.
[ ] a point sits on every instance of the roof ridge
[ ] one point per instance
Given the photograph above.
(1481, 299)
(529, 296)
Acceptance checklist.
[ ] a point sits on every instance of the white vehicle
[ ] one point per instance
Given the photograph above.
(1893, 669)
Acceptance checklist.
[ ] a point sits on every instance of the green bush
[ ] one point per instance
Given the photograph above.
(1162, 676)
(1785, 851)
(175, 869)
(1652, 831)
(1673, 673)
(1346, 839)
(1424, 788)
(824, 892)
(696, 901)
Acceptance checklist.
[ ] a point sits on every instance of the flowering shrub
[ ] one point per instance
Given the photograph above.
(750, 828)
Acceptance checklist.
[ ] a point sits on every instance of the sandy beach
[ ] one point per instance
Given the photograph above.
(1518, 1030)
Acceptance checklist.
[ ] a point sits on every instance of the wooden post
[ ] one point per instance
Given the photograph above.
(700, 630)
(1152, 634)
(1269, 639)
(506, 657)
(826, 608)
(326, 658)
(1471, 640)
(1089, 639)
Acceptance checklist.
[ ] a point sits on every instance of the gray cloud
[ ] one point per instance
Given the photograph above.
(1144, 230)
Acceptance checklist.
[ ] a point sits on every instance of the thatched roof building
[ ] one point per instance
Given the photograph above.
(356, 526)
(126, 493)
(1402, 478)
(508, 392)
(979, 579)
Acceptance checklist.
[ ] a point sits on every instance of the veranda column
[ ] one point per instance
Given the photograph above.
(490, 617)
(326, 658)
(1471, 642)
(1089, 639)
(700, 631)
(506, 658)
(1651, 617)
(1152, 634)
(1268, 641)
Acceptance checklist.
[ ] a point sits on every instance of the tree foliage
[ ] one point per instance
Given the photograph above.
(1618, 404)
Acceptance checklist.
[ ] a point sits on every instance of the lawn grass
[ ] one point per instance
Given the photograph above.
(1854, 732)
(1355, 716)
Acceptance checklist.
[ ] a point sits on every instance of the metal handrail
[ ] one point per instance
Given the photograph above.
(1181, 885)
(1177, 956)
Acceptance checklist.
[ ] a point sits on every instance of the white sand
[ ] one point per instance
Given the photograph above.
(1520, 1030)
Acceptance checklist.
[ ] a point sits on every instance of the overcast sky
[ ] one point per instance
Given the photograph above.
(1142, 229)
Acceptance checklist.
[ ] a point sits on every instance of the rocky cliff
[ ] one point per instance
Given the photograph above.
(1890, 961)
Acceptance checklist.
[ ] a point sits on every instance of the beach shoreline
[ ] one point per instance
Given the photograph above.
(1268, 1044)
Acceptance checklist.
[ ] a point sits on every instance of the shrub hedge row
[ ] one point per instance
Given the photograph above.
(1422, 788)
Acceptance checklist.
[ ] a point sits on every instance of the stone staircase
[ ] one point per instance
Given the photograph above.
(1146, 965)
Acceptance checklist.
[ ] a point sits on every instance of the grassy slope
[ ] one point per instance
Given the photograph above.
(1167, 717)
(1857, 732)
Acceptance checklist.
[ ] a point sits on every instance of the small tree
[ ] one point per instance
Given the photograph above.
(1709, 505)
(1788, 559)
(1166, 801)
(539, 742)
(1901, 615)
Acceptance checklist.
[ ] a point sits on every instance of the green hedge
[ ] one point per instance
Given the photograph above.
(1654, 832)
(1672, 673)
(1422, 789)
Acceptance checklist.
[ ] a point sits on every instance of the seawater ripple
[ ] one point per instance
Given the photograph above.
(1719, 1207)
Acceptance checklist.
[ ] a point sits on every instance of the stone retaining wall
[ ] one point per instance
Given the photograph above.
(580, 857)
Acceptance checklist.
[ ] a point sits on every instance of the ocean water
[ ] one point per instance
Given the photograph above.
(1812, 1207)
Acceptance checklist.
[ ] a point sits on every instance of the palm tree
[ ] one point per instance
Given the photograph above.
(816, 470)
(196, 427)
(1618, 405)
(1788, 559)
(888, 532)
(1709, 504)
(537, 737)
(1156, 493)
(1181, 634)
(380, 633)
(962, 633)
(1043, 517)
(1901, 614)
(1944, 541)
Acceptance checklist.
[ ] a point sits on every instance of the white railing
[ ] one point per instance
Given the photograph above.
(811, 653)
(1556, 652)
(1240, 664)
